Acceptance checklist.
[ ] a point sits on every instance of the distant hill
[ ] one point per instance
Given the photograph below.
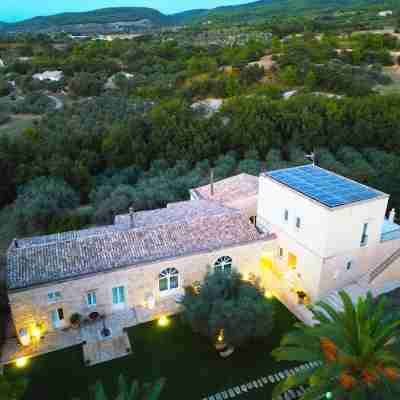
(265, 8)
(188, 16)
(122, 18)
(128, 16)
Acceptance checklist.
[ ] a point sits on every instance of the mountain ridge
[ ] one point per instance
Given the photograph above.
(150, 17)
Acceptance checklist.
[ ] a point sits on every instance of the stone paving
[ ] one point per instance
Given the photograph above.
(52, 341)
(89, 336)
(106, 350)
(259, 383)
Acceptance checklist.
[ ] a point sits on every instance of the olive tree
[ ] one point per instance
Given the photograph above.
(226, 302)
(40, 201)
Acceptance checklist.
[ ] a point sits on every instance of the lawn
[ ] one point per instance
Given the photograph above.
(191, 365)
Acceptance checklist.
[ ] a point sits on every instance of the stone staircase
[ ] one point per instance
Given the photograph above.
(383, 266)
(364, 285)
(355, 291)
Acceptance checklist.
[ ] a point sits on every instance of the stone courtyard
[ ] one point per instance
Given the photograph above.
(96, 348)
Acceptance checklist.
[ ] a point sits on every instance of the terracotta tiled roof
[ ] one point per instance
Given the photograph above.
(231, 189)
(190, 228)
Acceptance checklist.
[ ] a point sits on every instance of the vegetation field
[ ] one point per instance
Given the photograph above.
(190, 364)
(17, 124)
(394, 87)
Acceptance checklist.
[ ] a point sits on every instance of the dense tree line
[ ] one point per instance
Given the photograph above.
(80, 143)
(134, 163)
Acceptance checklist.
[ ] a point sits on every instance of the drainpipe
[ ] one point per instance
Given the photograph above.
(212, 182)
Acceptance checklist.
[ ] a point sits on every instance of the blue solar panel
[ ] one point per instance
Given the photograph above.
(326, 187)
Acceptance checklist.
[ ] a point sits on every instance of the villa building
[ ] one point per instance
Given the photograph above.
(51, 76)
(305, 232)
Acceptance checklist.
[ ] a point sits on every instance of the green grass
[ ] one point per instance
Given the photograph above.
(191, 365)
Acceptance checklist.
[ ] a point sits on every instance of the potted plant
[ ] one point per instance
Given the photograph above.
(220, 343)
(94, 316)
(75, 320)
(302, 296)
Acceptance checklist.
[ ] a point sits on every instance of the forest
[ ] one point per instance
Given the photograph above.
(134, 127)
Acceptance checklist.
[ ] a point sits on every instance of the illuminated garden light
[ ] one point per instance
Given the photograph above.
(163, 321)
(269, 294)
(21, 362)
(36, 333)
(329, 395)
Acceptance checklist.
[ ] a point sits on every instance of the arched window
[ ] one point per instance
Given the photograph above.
(223, 264)
(168, 279)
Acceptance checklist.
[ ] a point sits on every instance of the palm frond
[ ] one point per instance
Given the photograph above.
(292, 353)
(300, 378)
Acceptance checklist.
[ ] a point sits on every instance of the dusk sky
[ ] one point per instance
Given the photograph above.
(15, 10)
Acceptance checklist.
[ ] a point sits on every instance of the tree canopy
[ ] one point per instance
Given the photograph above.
(226, 302)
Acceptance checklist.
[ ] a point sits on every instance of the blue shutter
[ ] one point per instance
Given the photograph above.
(115, 295)
(122, 294)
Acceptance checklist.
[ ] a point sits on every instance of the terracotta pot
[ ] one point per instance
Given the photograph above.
(228, 352)
(220, 346)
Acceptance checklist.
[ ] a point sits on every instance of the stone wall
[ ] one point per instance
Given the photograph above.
(31, 306)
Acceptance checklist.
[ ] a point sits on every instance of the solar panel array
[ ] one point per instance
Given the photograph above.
(321, 185)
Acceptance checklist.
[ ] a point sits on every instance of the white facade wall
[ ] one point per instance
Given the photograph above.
(275, 198)
(345, 226)
(327, 240)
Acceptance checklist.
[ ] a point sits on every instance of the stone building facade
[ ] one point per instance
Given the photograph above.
(141, 283)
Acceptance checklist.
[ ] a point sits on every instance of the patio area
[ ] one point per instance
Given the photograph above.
(97, 348)
(192, 367)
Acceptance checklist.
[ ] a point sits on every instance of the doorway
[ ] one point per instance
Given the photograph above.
(57, 318)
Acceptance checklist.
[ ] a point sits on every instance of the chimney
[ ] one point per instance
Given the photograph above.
(212, 181)
(131, 216)
(311, 157)
(16, 243)
(392, 215)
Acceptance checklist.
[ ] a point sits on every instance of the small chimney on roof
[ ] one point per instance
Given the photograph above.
(131, 216)
(392, 215)
(16, 243)
(212, 181)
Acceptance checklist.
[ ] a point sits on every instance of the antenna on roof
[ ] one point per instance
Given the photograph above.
(311, 157)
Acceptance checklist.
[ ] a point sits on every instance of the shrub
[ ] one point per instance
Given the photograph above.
(4, 118)
(5, 88)
(75, 318)
(34, 103)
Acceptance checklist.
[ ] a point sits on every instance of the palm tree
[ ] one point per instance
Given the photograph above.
(135, 391)
(357, 347)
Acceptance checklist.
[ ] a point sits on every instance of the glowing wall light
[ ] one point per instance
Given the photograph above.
(36, 333)
(269, 295)
(21, 362)
(163, 321)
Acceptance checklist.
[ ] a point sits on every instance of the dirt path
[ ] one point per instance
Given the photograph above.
(267, 62)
